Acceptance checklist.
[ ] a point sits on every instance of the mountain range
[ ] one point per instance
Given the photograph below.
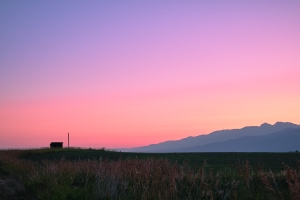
(280, 137)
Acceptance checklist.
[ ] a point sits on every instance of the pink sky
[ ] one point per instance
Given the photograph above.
(131, 73)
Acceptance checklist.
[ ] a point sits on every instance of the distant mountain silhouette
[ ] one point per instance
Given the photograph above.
(281, 141)
(250, 138)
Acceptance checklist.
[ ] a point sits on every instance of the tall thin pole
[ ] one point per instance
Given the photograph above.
(68, 140)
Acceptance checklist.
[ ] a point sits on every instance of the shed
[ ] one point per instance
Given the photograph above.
(56, 145)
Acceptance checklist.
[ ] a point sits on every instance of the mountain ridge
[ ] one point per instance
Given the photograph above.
(280, 141)
(215, 136)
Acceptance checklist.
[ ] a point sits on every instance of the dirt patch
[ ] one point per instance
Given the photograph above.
(11, 189)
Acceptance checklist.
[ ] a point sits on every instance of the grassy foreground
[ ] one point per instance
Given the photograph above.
(100, 174)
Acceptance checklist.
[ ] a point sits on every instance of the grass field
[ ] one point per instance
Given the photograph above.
(216, 161)
(100, 174)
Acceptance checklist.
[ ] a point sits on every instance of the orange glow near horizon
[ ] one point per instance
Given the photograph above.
(129, 123)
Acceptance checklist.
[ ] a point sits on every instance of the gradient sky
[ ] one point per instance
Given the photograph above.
(131, 73)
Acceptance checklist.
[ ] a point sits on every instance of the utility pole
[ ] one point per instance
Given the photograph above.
(68, 140)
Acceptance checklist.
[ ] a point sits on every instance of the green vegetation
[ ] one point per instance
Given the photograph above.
(216, 161)
(100, 174)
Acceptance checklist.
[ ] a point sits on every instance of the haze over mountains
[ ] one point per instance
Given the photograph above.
(280, 137)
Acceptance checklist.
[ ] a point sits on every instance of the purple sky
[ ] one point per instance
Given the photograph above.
(144, 71)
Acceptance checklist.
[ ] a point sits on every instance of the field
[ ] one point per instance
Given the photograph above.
(101, 174)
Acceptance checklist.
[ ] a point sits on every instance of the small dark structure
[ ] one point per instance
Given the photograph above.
(56, 145)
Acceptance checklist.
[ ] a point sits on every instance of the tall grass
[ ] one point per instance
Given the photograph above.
(148, 179)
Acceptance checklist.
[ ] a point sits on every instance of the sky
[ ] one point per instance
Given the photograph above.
(118, 74)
